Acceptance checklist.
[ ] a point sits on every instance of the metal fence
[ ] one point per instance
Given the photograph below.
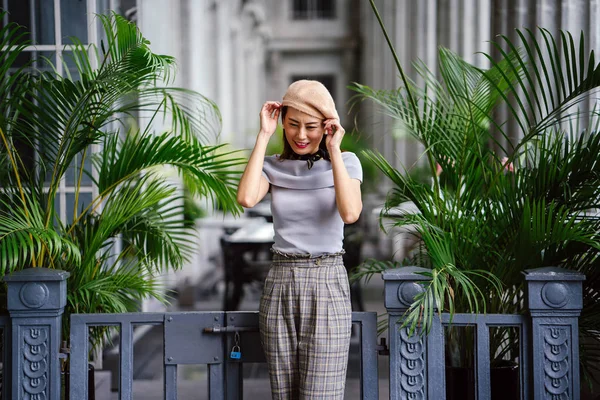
(547, 347)
(200, 338)
(548, 337)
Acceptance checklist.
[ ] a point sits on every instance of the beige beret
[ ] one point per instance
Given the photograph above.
(312, 98)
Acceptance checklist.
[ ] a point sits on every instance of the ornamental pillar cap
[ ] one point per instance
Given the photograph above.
(554, 290)
(36, 291)
(406, 274)
(36, 274)
(553, 274)
(402, 285)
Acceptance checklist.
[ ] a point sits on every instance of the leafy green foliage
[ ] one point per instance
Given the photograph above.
(485, 219)
(65, 120)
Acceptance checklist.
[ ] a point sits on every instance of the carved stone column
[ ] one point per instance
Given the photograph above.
(555, 302)
(36, 300)
(416, 367)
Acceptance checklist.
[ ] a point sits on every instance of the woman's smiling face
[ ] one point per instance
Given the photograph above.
(303, 132)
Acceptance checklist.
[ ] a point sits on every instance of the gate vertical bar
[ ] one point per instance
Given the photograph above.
(36, 300)
(216, 381)
(78, 359)
(555, 302)
(217, 369)
(436, 370)
(369, 374)
(525, 361)
(235, 380)
(410, 356)
(170, 372)
(126, 361)
(484, 383)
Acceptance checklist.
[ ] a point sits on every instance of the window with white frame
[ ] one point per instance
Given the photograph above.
(313, 9)
(50, 24)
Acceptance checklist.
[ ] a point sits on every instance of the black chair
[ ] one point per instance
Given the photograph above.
(353, 238)
(243, 263)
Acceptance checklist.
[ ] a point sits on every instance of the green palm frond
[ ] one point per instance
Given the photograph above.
(24, 236)
(159, 234)
(447, 280)
(555, 78)
(162, 239)
(116, 287)
(192, 115)
(125, 43)
(105, 292)
(66, 119)
(485, 219)
(206, 170)
(130, 200)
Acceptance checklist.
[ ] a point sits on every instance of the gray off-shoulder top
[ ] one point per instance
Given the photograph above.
(305, 215)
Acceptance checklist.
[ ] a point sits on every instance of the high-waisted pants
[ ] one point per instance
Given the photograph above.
(305, 325)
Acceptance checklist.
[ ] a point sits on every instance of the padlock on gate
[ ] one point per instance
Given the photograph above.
(236, 353)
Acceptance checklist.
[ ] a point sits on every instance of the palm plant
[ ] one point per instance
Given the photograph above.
(65, 119)
(501, 206)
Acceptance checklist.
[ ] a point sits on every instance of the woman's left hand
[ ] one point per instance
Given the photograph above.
(335, 133)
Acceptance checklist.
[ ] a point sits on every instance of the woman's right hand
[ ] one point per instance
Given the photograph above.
(253, 185)
(269, 115)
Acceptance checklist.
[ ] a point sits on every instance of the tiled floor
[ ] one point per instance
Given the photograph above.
(256, 389)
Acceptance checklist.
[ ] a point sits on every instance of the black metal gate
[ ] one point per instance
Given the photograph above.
(203, 338)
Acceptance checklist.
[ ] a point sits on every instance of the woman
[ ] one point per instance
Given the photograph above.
(305, 314)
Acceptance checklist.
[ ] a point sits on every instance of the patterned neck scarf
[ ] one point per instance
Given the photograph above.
(311, 158)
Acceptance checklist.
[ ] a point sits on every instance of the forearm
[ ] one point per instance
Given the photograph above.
(347, 190)
(250, 191)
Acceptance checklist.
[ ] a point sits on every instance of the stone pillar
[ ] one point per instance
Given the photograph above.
(555, 302)
(224, 70)
(416, 361)
(36, 299)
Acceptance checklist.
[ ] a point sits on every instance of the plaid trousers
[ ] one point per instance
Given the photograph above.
(305, 321)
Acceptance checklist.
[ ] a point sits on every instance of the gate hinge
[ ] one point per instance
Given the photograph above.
(64, 351)
(382, 348)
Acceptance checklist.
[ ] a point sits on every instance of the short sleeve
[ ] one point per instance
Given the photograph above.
(353, 166)
(266, 176)
(267, 166)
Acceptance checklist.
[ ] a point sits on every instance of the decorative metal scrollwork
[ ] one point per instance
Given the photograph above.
(412, 365)
(556, 363)
(35, 363)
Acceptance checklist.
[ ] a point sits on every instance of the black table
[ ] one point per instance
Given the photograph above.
(246, 258)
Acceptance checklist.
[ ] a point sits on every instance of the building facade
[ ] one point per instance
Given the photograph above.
(241, 53)
(315, 39)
